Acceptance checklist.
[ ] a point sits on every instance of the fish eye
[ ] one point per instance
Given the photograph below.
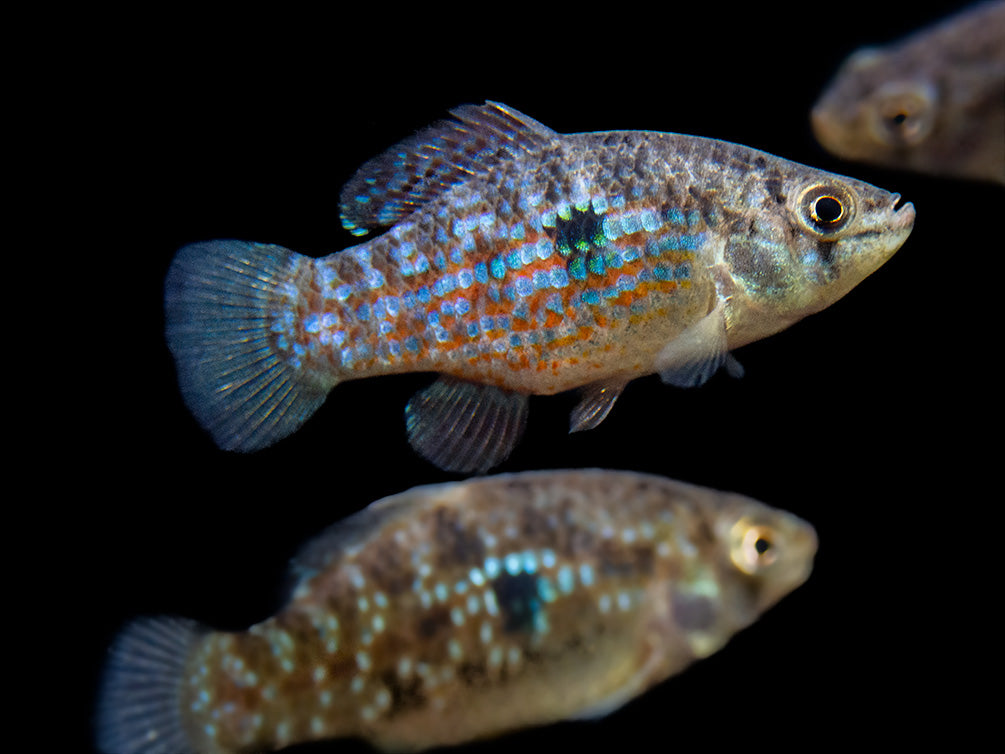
(826, 209)
(903, 115)
(755, 546)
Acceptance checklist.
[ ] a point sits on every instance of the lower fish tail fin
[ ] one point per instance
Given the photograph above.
(139, 704)
(228, 308)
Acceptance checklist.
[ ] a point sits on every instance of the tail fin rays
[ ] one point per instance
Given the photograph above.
(223, 302)
(139, 708)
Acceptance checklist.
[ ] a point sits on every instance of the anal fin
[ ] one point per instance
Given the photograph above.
(463, 426)
(598, 398)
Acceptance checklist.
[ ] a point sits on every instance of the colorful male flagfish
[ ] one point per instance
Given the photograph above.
(932, 103)
(459, 611)
(520, 261)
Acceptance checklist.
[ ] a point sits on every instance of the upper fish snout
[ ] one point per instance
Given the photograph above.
(903, 213)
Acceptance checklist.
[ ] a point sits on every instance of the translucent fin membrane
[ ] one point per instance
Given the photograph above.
(139, 709)
(391, 186)
(221, 299)
(464, 427)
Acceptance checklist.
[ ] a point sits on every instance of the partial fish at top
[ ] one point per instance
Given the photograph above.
(520, 261)
(933, 103)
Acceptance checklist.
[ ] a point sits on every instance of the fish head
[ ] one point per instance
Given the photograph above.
(768, 552)
(751, 557)
(799, 239)
(872, 114)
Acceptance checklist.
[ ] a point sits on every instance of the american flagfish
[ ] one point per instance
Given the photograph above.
(932, 103)
(520, 261)
(459, 611)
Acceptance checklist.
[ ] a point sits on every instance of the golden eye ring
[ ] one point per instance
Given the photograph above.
(826, 209)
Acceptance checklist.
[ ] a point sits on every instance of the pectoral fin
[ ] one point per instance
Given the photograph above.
(695, 355)
(597, 400)
(465, 427)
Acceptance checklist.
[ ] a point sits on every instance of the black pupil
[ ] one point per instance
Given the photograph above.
(762, 545)
(828, 209)
(899, 118)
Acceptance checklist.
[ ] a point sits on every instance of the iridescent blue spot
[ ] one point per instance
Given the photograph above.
(542, 279)
(611, 228)
(517, 232)
(591, 297)
(684, 271)
(460, 227)
(461, 306)
(465, 278)
(394, 348)
(467, 246)
(423, 294)
(509, 291)
(283, 343)
(313, 323)
(548, 218)
(577, 268)
(564, 211)
(586, 574)
(374, 278)
(491, 567)
(385, 328)
(527, 253)
(412, 343)
(617, 201)
(472, 330)
(440, 259)
(512, 562)
(363, 312)
(566, 579)
(513, 260)
(650, 221)
(421, 263)
(524, 287)
(693, 218)
(338, 337)
(630, 224)
(379, 309)
(662, 272)
(362, 199)
(631, 253)
(514, 340)
(447, 309)
(487, 323)
(543, 249)
(391, 303)
(481, 272)
(347, 356)
(626, 283)
(343, 292)
(521, 310)
(596, 264)
(675, 216)
(441, 235)
(363, 351)
(494, 293)
(406, 249)
(498, 268)
(559, 277)
(328, 320)
(324, 338)
(554, 304)
(408, 299)
(599, 204)
(433, 318)
(545, 590)
(611, 292)
(456, 256)
(502, 322)
(614, 259)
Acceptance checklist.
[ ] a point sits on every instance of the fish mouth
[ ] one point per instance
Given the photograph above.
(903, 213)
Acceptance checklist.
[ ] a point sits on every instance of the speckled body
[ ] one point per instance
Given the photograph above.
(526, 261)
(933, 102)
(458, 611)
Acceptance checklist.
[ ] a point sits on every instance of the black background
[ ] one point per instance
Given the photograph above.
(876, 419)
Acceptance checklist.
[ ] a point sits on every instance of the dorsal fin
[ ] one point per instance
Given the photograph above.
(391, 186)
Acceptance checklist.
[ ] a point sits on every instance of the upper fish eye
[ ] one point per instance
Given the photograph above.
(903, 114)
(755, 546)
(826, 209)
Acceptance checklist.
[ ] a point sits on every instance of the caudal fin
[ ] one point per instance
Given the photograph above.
(225, 304)
(139, 707)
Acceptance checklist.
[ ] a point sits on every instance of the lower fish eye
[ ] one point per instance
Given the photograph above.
(827, 210)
